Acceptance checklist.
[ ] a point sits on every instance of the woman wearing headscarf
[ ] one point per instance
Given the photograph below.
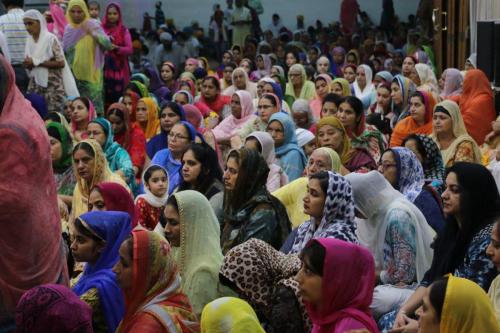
(116, 67)
(291, 158)
(170, 114)
(242, 111)
(60, 151)
(332, 134)
(421, 106)
(196, 248)
(82, 112)
(340, 87)
(118, 159)
(183, 97)
(263, 277)
(249, 209)
(128, 134)
(477, 105)
(450, 134)
(107, 196)
(334, 218)
(48, 70)
(455, 304)
(54, 306)
(461, 248)
(352, 57)
(322, 83)
(97, 285)
(362, 135)
(91, 168)
(292, 194)
(401, 167)
(147, 117)
(298, 86)
(242, 317)
(180, 137)
(84, 43)
(452, 81)
(341, 302)
(430, 157)
(25, 175)
(167, 75)
(338, 60)
(211, 99)
(401, 89)
(241, 81)
(151, 285)
(363, 86)
(397, 234)
(264, 64)
(264, 144)
(139, 85)
(425, 79)
(277, 89)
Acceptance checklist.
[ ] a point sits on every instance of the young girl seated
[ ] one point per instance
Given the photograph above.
(148, 205)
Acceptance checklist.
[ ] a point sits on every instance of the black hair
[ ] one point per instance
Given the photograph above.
(132, 86)
(355, 103)
(270, 98)
(323, 178)
(172, 201)
(84, 100)
(419, 95)
(172, 106)
(94, 3)
(332, 98)
(115, 112)
(150, 170)
(232, 65)
(210, 169)
(53, 116)
(13, 3)
(259, 146)
(85, 146)
(86, 232)
(437, 294)
(420, 146)
(295, 54)
(314, 254)
(214, 80)
(129, 241)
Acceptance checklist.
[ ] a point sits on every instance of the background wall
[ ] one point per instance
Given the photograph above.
(186, 11)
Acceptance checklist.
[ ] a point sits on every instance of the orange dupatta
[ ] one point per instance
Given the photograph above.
(409, 126)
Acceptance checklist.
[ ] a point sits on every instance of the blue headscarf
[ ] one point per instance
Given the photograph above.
(117, 157)
(410, 175)
(277, 90)
(113, 228)
(165, 159)
(160, 141)
(292, 158)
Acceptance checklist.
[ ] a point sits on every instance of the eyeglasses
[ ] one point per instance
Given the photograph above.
(385, 166)
(177, 137)
(294, 74)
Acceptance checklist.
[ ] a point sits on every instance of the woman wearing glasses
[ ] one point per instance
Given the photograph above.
(180, 137)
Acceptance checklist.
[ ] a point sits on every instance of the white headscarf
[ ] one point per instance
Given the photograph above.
(368, 90)
(41, 51)
(375, 198)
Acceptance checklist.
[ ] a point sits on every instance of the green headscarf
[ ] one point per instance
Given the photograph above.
(57, 131)
(199, 256)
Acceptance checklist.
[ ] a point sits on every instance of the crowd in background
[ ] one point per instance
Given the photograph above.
(243, 178)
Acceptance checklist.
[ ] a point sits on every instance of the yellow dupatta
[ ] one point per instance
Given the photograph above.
(467, 309)
(83, 65)
(229, 314)
(153, 124)
(101, 173)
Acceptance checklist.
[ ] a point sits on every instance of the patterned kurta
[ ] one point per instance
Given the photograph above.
(54, 92)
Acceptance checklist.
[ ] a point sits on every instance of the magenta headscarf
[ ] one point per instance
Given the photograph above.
(349, 279)
(230, 125)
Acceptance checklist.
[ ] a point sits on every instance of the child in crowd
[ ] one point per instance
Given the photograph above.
(94, 10)
(149, 205)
